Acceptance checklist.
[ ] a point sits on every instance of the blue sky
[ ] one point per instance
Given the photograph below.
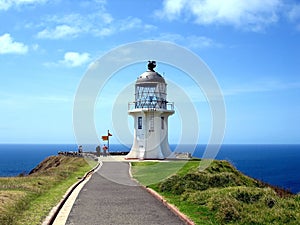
(252, 47)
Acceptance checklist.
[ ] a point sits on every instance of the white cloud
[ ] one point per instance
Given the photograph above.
(7, 4)
(8, 45)
(106, 31)
(172, 37)
(193, 41)
(106, 18)
(130, 23)
(98, 23)
(252, 14)
(66, 26)
(294, 12)
(61, 31)
(201, 42)
(294, 15)
(74, 59)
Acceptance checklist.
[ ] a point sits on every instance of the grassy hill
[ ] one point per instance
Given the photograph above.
(29, 199)
(220, 194)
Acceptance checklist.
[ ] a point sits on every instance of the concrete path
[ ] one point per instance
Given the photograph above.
(112, 197)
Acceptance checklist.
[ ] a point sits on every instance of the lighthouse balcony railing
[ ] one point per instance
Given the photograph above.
(151, 105)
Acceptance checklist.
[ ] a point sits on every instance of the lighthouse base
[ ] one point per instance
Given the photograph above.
(151, 147)
(141, 153)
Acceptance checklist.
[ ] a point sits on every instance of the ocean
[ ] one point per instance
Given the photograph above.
(275, 164)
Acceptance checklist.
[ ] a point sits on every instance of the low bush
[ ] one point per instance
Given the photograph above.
(220, 194)
(199, 181)
(248, 195)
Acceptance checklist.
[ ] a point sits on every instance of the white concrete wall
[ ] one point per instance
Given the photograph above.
(148, 143)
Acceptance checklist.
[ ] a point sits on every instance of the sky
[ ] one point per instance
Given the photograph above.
(252, 48)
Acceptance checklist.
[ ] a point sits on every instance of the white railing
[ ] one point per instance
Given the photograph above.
(138, 105)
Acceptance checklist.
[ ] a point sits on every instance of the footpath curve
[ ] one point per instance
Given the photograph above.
(112, 197)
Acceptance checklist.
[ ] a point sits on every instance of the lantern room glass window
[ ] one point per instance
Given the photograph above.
(151, 95)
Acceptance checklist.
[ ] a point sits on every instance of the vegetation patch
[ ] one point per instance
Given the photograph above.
(29, 199)
(220, 194)
(153, 172)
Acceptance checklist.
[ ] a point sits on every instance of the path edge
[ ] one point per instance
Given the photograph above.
(160, 198)
(56, 209)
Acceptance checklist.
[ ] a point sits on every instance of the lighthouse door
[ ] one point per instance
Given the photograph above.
(140, 137)
(141, 142)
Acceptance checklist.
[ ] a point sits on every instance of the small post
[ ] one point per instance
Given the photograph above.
(108, 134)
(106, 138)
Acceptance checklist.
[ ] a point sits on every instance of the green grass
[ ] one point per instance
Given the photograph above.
(220, 194)
(29, 199)
(150, 173)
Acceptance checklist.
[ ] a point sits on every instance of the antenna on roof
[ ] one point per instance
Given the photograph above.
(151, 65)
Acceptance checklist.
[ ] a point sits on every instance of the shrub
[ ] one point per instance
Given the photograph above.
(179, 188)
(223, 180)
(270, 202)
(228, 213)
(198, 181)
(248, 195)
(220, 166)
(227, 209)
(196, 197)
(168, 184)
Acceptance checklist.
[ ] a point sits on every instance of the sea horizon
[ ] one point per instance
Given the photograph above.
(276, 164)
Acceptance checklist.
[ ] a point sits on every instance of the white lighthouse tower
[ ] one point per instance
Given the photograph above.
(150, 111)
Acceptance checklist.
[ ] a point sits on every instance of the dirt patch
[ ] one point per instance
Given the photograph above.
(49, 163)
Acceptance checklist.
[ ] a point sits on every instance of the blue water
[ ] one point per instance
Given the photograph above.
(18, 158)
(276, 164)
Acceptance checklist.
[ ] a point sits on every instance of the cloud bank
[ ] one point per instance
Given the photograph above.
(252, 15)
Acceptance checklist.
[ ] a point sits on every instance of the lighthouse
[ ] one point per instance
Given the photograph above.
(150, 111)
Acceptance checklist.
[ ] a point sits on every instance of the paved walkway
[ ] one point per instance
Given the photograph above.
(112, 197)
